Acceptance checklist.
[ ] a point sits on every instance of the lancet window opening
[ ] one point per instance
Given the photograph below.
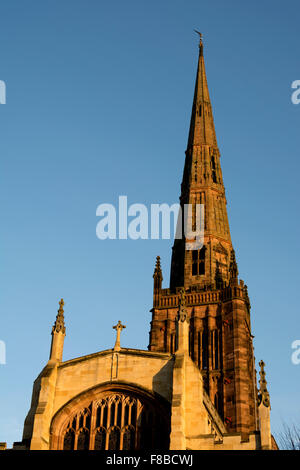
(198, 262)
(213, 169)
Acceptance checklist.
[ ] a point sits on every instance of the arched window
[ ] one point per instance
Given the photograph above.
(116, 420)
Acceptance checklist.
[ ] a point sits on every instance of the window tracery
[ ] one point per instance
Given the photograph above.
(117, 421)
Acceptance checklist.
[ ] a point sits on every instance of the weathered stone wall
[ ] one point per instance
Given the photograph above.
(61, 382)
(195, 423)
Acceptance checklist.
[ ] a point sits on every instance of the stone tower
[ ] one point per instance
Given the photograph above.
(217, 303)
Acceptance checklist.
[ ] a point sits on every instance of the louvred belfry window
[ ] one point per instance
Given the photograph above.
(198, 262)
(213, 169)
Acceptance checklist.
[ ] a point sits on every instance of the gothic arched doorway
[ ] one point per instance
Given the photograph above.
(112, 417)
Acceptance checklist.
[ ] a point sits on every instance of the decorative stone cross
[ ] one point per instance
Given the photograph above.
(119, 327)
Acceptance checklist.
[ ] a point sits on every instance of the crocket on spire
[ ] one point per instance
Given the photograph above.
(59, 324)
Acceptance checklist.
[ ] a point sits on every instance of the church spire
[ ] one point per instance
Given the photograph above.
(213, 303)
(202, 183)
(202, 129)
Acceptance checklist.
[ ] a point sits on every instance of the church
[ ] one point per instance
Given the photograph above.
(195, 387)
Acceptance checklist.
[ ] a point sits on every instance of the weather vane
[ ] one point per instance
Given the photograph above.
(198, 32)
(200, 35)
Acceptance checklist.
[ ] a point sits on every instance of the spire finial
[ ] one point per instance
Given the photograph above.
(119, 327)
(59, 324)
(61, 305)
(263, 394)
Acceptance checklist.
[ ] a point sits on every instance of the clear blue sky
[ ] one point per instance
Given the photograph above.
(99, 96)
